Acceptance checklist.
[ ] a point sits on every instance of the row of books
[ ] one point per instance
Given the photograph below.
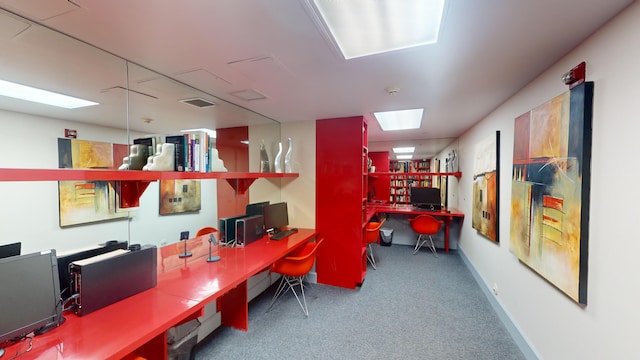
(192, 150)
(412, 183)
(409, 166)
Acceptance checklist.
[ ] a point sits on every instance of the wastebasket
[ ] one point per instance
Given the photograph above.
(181, 340)
(386, 236)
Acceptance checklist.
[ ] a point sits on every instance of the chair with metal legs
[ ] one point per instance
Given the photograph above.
(371, 235)
(425, 225)
(294, 267)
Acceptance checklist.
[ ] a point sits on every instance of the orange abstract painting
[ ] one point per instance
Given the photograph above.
(550, 184)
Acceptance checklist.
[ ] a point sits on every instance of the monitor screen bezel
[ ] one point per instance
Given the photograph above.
(13, 249)
(276, 216)
(37, 322)
(256, 208)
(425, 196)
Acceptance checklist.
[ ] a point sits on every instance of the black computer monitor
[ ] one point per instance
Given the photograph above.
(255, 208)
(10, 250)
(425, 197)
(29, 294)
(276, 216)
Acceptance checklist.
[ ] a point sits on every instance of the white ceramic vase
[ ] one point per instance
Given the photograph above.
(277, 163)
(288, 166)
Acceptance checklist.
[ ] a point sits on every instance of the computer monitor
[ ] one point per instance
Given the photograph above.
(276, 216)
(425, 197)
(255, 208)
(10, 250)
(29, 294)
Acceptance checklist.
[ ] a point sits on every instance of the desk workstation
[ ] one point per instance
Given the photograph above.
(447, 214)
(138, 325)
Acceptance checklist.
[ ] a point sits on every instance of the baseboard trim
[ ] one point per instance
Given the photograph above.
(512, 328)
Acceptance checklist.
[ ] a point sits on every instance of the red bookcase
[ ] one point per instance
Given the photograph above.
(341, 195)
(379, 180)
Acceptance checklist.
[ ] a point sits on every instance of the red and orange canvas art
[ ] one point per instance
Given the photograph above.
(550, 190)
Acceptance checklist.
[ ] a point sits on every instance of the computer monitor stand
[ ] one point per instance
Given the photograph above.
(212, 241)
(184, 235)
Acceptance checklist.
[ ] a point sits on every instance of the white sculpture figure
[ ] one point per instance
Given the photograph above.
(136, 158)
(164, 160)
(216, 163)
(277, 163)
(288, 166)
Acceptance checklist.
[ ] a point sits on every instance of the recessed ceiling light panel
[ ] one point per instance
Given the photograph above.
(23, 92)
(404, 157)
(399, 119)
(404, 150)
(367, 27)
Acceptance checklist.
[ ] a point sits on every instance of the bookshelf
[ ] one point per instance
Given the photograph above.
(341, 197)
(405, 175)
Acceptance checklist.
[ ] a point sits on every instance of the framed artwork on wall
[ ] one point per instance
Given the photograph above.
(84, 202)
(179, 196)
(486, 187)
(550, 190)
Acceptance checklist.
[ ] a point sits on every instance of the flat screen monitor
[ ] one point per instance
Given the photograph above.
(29, 294)
(425, 197)
(276, 216)
(255, 208)
(10, 250)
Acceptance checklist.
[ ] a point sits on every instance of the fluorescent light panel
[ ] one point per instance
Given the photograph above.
(32, 94)
(404, 150)
(404, 157)
(367, 27)
(400, 119)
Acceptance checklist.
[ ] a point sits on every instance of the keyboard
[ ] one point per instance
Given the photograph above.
(283, 234)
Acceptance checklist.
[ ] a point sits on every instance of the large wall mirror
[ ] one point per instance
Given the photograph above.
(132, 102)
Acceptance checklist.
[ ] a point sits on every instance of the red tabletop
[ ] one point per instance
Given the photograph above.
(139, 323)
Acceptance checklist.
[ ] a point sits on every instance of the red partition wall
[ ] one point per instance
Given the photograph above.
(379, 183)
(235, 154)
(341, 188)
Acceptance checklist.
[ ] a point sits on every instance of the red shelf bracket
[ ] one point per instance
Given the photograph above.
(130, 191)
(240, 185)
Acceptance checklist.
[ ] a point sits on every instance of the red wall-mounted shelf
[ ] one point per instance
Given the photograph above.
(130, 184)
(456, 174)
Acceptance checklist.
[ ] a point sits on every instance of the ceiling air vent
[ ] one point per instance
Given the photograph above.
(198, 102)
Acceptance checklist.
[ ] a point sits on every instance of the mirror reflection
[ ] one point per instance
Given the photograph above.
(132, 102)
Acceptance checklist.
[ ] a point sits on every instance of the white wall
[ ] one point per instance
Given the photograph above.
(300, 192)
(555, 326)
(29, 210)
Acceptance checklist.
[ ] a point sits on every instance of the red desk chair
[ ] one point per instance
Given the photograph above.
(206, 230)
(371, 235)
(425, 225)
(293, 268)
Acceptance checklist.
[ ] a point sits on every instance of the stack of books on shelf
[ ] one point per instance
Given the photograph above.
(192, 149)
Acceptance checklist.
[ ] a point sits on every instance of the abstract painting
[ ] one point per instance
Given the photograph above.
(82, 202)
(486, 189)
(179, 196)
(550, 190)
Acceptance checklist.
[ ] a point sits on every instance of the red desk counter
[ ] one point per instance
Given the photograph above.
(447, 214)
(138, 324)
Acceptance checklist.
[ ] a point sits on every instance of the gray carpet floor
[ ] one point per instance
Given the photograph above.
(411, 307)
